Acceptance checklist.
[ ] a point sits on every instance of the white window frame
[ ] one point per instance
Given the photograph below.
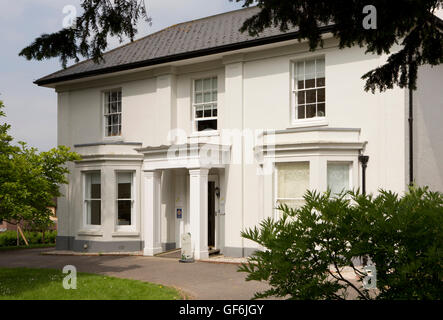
(195, 120)
(294, 94)
(350, 165)
(132, 226)
(86, 198)
(106, 115)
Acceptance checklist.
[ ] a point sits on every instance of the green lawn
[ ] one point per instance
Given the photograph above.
(47, 284)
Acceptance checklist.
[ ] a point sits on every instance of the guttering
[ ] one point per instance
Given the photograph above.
(364, 164)
(411, 131)
(179, 56)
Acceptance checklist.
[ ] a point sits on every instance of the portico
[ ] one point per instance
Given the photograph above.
(176, 179)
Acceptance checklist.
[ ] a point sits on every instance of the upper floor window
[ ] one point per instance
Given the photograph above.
(92, 198)
(113, 113)
(309, 89)
(205, 104)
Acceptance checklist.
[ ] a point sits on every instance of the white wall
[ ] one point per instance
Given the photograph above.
(428, 129)
(254, 93)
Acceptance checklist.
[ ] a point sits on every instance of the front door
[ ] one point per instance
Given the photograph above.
(211, 214)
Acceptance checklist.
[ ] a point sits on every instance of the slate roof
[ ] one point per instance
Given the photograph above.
(190, 39)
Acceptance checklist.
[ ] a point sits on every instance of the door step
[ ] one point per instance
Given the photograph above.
(213, 252)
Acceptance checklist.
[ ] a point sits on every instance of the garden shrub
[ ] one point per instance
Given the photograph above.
(9, 238)
(305, 251)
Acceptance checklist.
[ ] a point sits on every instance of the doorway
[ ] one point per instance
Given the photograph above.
(211, 214)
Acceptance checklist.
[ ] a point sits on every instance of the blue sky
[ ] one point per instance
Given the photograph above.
(32, 110)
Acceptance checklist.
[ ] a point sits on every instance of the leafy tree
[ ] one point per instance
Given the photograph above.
(410, 24)
(29, 180)
(88, 36)
(307, 252)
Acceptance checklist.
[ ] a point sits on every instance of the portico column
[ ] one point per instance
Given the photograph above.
(198, 186)
(151, 212)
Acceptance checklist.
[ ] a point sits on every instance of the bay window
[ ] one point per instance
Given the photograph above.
(338, 177)
(92, 198)
(125, 198)
(292, 183)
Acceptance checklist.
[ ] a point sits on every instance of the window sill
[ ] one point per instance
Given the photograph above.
(126, 234)
(309, 123)
(113, 138)
(211, 133)
(94, 233)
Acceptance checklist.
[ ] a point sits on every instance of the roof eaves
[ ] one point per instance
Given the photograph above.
(177, 57)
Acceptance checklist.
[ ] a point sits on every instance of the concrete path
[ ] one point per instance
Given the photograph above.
(200, 280)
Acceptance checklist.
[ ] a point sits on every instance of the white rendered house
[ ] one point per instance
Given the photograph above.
(201, 129)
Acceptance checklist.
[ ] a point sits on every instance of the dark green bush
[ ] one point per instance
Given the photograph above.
(305, 251)
(9, 238)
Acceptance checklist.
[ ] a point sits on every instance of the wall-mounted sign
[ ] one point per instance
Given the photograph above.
(179, 213)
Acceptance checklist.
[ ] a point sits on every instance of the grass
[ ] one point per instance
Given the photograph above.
(47, 284)
(31, 246)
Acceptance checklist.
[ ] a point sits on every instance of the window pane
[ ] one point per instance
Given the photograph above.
(115, 130)
(214, 95)
(293, 179)
(207, 84)
(301, 97)
(207, 124)
(301, 112)
(198, 85)
(320, 67)
(124, 181)
(310, 70)
(207, 113)
(93, 186)
(320, 95)
(199, 112)
(95, 191)
(214, 83)
(207, 97)
(320, 82)
(94, 212)
(115, 119)
(311, 96)
(310, 110)
(321, 110)
(124, 212)
(214, 112)
(292, 203)
(300, 84)
(310, 83)
(338, 177)
(300, 71)
(113, 107)
(198, 98)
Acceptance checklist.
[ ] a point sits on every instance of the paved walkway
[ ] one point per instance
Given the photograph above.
(200, 280)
